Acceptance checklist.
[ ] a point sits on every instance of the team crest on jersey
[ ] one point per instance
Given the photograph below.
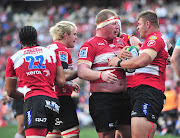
(153, 38)
(83, 52)
(119, 42)
(111, 45)
(151, 43)
(63, 56)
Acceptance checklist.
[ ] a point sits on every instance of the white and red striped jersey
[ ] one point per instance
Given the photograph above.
(35, 69)
(67, 63)
(154, 73)
(98, 50)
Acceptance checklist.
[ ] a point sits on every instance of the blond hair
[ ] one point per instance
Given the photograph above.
(57, 31)
(150, 16)
(104, 15)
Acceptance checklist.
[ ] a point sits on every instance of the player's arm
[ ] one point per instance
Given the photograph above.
(147, 56)
(123, 53)
(175, 61)
(60, 77)
(70, 74)
(134, 41)
(169, 46)
(11, 84)
(85, 72)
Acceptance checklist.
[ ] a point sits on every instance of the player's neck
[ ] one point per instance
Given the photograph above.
(64, 42)
(103, 35)
(152, 30)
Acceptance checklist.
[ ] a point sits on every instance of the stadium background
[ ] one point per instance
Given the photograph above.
(42, 14)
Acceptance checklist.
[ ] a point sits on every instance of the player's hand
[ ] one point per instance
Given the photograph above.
(124, 54)
(5, 98)
(108, 76)
(113, 61)
(76, 87)
(168, 60)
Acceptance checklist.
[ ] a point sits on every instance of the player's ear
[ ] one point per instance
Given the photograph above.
(65, 35)
(21, 44)
(148, 24)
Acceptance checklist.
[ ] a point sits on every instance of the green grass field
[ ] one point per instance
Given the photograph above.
(8, 132)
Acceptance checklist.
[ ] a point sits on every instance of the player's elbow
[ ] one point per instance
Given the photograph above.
(173, 60)
(60, 82)
(10, 92)
(81, 74)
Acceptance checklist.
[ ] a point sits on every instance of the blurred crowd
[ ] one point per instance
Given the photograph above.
(11, 20)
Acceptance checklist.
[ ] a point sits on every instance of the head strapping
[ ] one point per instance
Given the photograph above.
(119, 23)
(106, 22)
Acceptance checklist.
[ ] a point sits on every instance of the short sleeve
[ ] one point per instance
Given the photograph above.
(87, 52)
(155, 43)
(10, 72)
(58, 63)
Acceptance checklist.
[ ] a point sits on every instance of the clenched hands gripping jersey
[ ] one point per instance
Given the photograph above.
(35, 69)
(129, 76)
(153, 74)
(98, 50)
(67, 62)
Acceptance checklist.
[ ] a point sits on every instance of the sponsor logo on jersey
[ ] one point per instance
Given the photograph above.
(33, 51)
(111, 45)
(100, 44)
(151, 43)
(145, 108)
(46, 72)
(119, 42)
(153, 38)
(28, 113)
(63, 56)
(33, 72)
(52, 105)
(83, 52)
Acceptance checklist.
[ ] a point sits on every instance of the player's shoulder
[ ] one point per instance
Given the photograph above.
(94, 41)
(56, 46)
(17, 54)
(155, 36)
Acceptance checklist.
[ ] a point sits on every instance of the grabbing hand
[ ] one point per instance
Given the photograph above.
(108, 76)
(5, 98)
(124, 54)
(76, 87)
(113, 61)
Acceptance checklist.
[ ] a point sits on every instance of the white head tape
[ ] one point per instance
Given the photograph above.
(119, 22)
(106, 22)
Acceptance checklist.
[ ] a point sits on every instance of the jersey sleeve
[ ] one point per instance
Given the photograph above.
(87, 52)
(70, 62)
(58, 63)
(155, 43)
(10, 72)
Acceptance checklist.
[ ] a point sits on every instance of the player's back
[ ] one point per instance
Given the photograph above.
(35, 68)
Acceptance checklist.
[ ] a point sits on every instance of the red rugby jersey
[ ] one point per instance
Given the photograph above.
(35, 69)
(67, 62)
(98, 50)
(153, 74)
